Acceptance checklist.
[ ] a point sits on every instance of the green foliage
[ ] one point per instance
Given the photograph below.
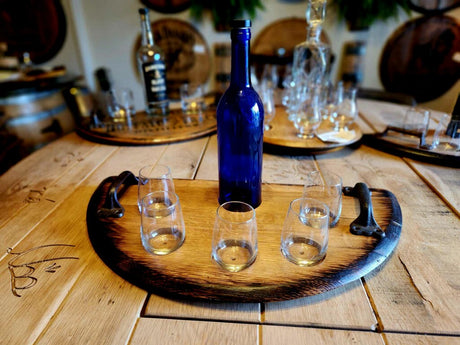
(223, 11)
(363, 13)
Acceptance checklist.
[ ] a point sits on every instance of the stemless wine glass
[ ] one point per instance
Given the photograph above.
(126, 99)
(326, 187)
(305, 234)
(417, 119)
(162, 223)
(192, 99)
(154, 178)
(347, 108)
(234, 239)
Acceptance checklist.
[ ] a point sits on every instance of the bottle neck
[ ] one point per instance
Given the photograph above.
(314, 33)
(240, 57)
(147, 36)
(102, 76)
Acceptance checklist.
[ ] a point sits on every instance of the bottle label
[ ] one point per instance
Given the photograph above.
(155, 80)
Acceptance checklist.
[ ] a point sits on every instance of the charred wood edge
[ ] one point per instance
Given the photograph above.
(378, 142)
(102, 232)
(365, 224)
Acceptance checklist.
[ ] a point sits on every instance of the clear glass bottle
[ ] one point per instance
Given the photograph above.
(240, 126)
(313, 56)
(152, 67)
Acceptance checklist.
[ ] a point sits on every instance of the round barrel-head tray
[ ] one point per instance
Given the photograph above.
(408, 146)
(282, 137)
(148, 130)
(187, 54)
(190, 273)
(421, 58)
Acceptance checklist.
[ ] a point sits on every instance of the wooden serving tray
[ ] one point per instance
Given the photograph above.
(146, 130)
(283, 135)
(408, 146)
(190, 273)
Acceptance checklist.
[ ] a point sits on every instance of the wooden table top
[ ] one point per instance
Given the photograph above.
(56, 290)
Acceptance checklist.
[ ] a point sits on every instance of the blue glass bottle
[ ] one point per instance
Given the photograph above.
(240, 118)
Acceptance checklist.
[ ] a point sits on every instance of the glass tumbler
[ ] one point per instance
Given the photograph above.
(305, 234)
(234, 239)
(417, 119)
(192, 99)
(162, 223)
(154, 178)
(325, 187)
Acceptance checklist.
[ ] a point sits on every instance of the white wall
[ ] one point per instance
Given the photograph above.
(103, 33)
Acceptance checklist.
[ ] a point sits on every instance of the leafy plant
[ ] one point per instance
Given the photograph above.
(223, 11)
(363, 13)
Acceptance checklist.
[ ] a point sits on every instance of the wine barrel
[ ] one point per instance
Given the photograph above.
(421, 57)
(37, 118)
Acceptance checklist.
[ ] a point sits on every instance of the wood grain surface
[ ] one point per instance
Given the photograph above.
(412, 299)
(270, 278)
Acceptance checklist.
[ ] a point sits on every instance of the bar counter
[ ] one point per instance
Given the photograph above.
(70, 296)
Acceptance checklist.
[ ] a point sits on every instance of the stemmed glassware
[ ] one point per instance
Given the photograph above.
(266, 89)
(268, 99)
(308, 117)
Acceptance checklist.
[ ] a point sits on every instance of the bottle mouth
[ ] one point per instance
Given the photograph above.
(240, 23)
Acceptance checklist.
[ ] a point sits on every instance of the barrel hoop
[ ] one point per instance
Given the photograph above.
(26, 98)
(23, 120)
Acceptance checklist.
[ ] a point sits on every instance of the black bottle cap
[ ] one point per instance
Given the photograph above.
(241, 23)
(103, 78)
(143, 11)
(453, 128)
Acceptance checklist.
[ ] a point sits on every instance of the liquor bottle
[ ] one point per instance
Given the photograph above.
(106, 98)
(240, 126)
(312, 58)
(152, 67)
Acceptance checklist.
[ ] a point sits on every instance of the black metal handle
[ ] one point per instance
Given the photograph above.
(112, 207)
(365, 224)
(415, 133)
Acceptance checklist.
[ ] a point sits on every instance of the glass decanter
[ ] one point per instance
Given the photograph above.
(313, 56)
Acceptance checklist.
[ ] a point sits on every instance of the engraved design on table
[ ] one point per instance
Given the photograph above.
(24, 270)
